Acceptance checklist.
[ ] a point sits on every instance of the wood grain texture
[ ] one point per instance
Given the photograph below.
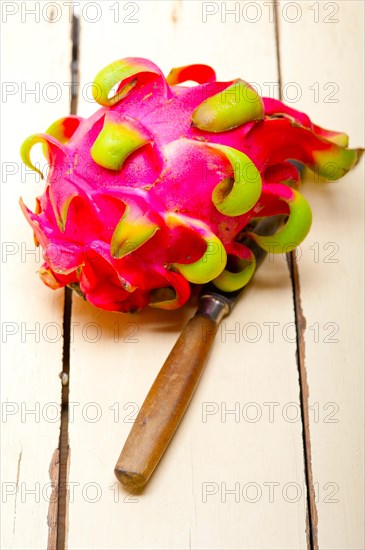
(236, 434)
(35, 66)
(328, 70)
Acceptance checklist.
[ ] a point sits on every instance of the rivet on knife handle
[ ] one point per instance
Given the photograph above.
(169, 395)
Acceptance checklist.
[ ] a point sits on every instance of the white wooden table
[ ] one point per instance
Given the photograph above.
(270, 452)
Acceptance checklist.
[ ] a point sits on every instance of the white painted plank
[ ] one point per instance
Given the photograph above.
(212, 450)
(326, 55)
(109, 379)
(35, 53)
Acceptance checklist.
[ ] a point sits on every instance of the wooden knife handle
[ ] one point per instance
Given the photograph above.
(165, 403)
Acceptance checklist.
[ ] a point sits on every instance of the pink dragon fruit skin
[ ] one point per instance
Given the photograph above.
(151, 193)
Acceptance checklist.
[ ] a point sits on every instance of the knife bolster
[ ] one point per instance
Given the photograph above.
(213, 306)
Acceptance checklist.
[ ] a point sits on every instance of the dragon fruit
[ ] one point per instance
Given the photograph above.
(155, 191)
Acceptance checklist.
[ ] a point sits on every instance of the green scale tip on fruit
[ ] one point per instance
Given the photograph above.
(238, 104)
(214, 259)
(132, 231)
(236, 199)
(116, 141)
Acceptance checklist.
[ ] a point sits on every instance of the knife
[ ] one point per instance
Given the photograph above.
(178, 378)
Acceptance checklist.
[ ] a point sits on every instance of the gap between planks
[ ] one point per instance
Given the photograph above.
(64, 449)
(59, 467)
(300, 325)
